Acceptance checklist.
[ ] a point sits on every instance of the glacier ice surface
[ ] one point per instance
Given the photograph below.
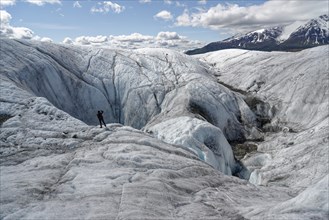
(169, 126)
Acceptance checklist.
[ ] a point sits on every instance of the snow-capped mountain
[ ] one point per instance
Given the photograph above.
(312, 33)
(165, 153)
(256, 40)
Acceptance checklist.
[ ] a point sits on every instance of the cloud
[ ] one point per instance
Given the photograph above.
(6, 30)
(245, 18)
(170, 39)
(76, 4)
(42, 2)
(85, 40)
(12, 32)
(106, 7)
(145, 1)
(168, 36)
(4, 3)
(202, 2)
(132, 41)
(135, 37)
(5, 18)
(164, 15)
(168, 2)
(68, 40)
(43, 39)
(46, 39)
(16, 32)
(136, 40)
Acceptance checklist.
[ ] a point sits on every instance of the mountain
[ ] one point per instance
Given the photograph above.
(313, 33)
(166, 151)
(310, 34)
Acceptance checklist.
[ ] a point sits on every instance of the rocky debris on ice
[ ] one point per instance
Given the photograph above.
(294, 153)
(295, 84)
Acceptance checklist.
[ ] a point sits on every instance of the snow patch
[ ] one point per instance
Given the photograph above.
(289, 29)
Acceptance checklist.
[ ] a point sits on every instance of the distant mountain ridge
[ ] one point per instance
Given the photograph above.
(312, 33)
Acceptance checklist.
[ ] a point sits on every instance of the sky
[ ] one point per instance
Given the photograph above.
(154, 23)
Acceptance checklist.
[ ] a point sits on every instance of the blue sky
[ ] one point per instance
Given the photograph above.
(194, 21)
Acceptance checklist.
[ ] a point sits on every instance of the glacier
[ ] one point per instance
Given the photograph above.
(167, 146)
(295, 90)
(162, 85)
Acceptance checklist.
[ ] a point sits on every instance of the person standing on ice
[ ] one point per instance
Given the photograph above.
(100, 118)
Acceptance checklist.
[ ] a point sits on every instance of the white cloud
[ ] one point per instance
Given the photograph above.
(46, 39)
(168, 36)
(145, 1)
(42, 2)
(165, 15)
(114, 6)
(202, 2)
(5, 18)
(185, 19)
(85, 40)
(4, 3)
(9, 31)
(168, 2)
(134, 38)
(17, 32)
(76, 4)
(241, 18)
(13, 32)
(68, 40)
(106, 7)
(137, 40)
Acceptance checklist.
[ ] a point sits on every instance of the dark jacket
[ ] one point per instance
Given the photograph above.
(100, 114)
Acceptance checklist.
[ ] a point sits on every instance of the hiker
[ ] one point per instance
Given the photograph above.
(100, 118)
